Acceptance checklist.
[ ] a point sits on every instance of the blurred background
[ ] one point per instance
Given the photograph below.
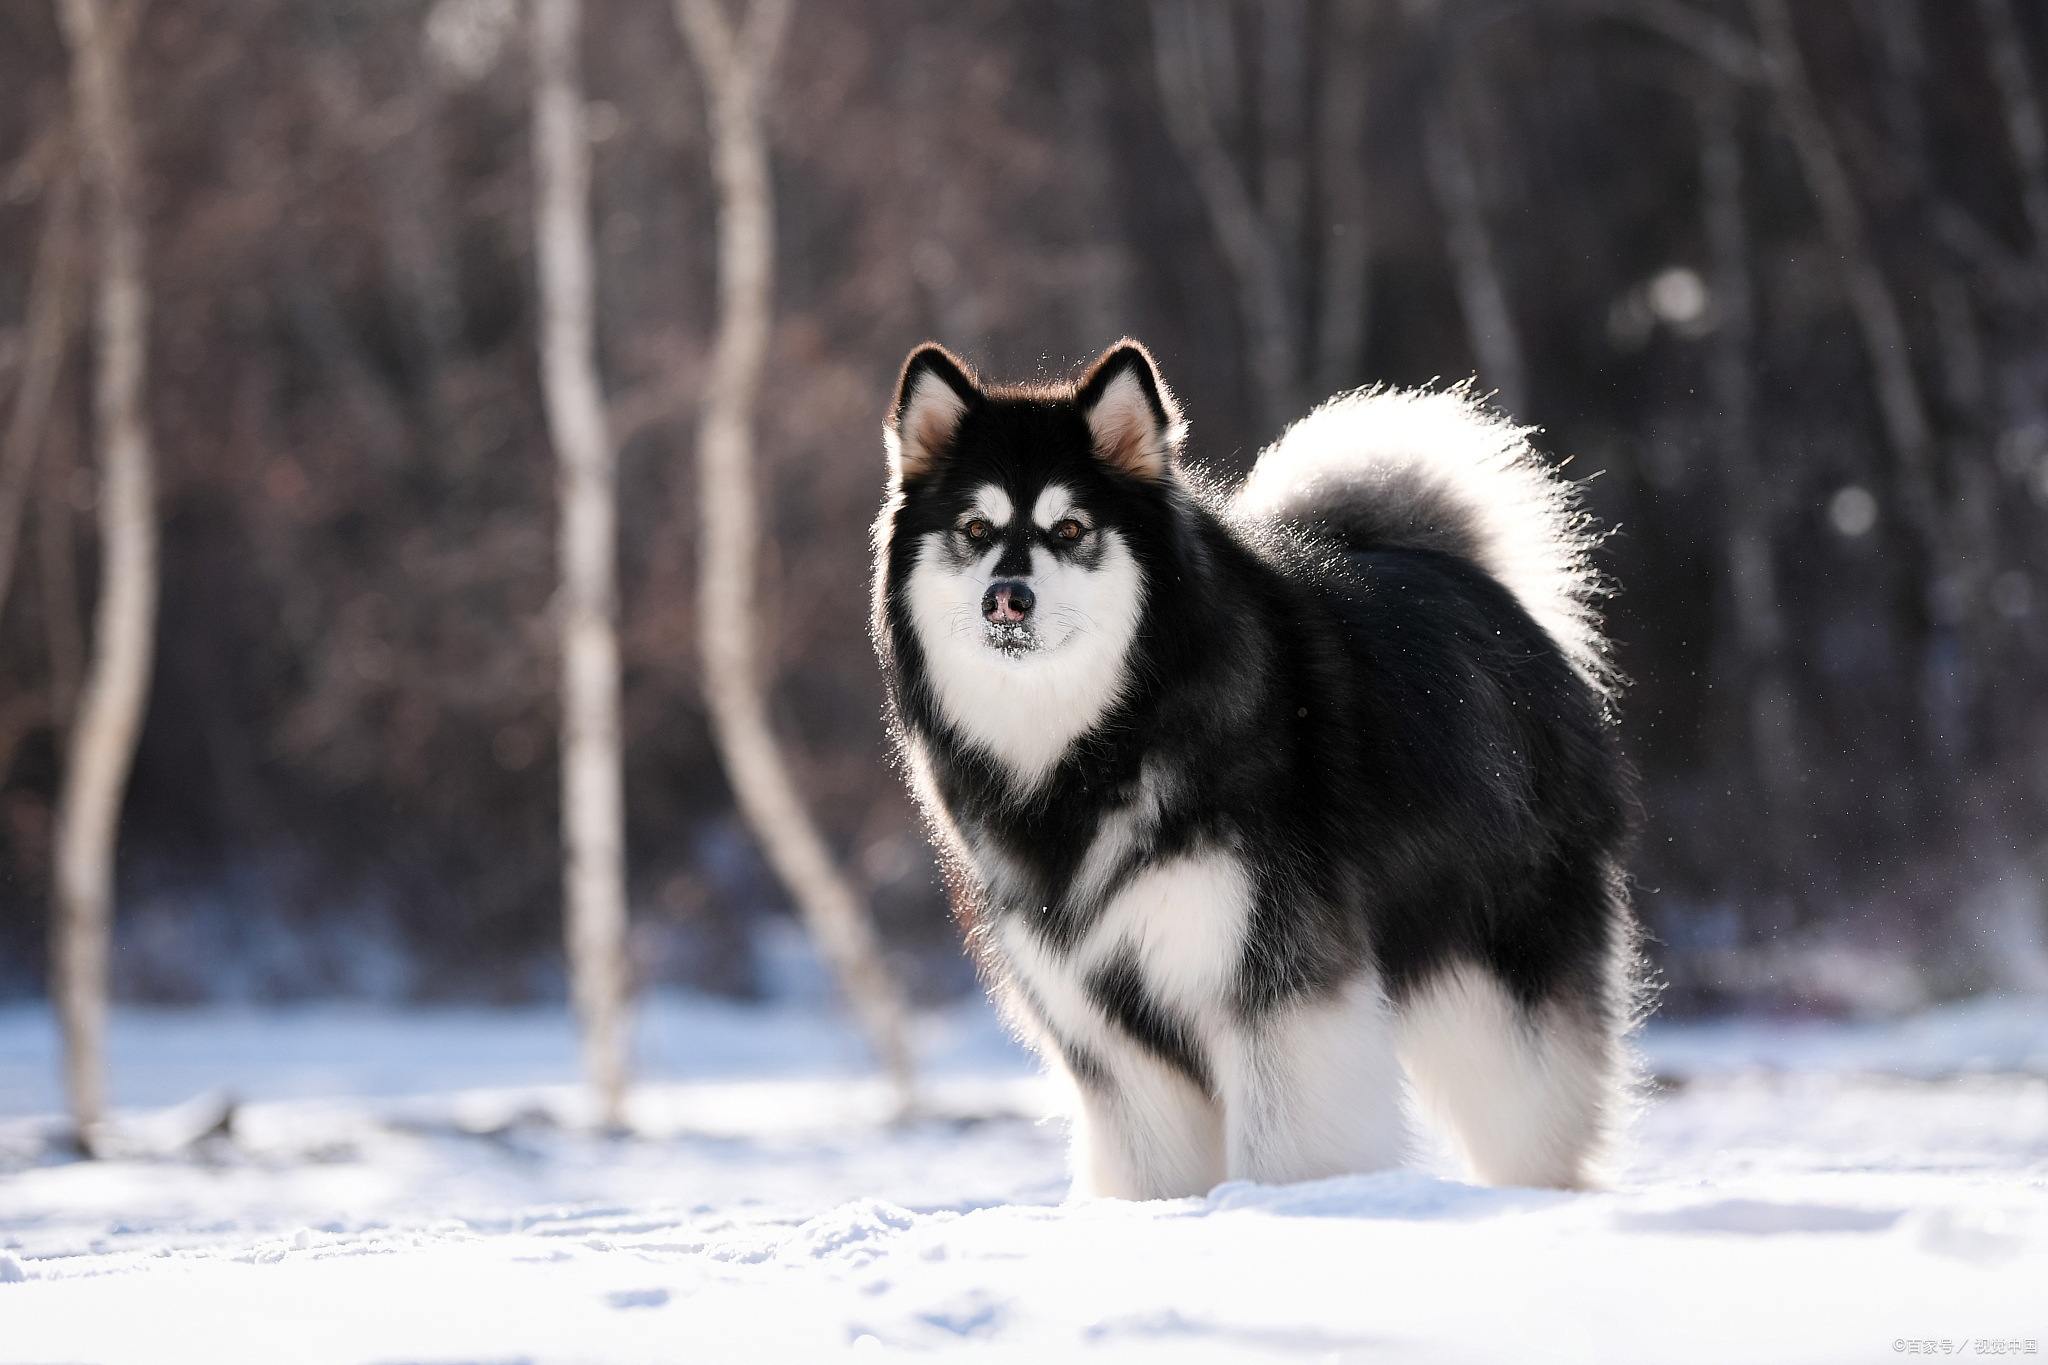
(1773, 279)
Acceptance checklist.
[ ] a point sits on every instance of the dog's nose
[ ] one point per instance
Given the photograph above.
(1008, 600)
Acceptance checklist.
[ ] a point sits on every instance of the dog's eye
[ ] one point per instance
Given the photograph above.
(1068, 529)
(977, 530)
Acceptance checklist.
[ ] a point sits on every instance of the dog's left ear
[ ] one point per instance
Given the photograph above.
(1130, 412)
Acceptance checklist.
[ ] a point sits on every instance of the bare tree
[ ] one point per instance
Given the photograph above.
(1283, 117)
(735, 64)
(593, 789)
(1345, 298)
(1755, 669)
(399, 139)
(47, 339)
(48, 333)
(1901, 84)
(1101, 288)
(1870, 295)
(1970, 529)
(1773, 60)
(1482, 292)
(1194, 57)
(55, 556)
(116, 686)
(2021, 103)
(1290, 214)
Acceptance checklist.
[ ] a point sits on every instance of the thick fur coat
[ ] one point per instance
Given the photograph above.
(1257, 802)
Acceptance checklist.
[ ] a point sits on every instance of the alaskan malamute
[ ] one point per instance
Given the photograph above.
(1250, 798)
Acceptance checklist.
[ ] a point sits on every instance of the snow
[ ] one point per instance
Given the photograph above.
(423, 1187)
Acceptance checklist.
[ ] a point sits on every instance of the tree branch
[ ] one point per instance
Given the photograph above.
(2022, 106)
(1247, 242)
(1870, 297)
(46, 338)
(1482, 294)
(1345, 273)
(1726, 48)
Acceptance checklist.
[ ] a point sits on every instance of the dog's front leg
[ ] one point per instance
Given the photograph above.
(1312, 1088)
(1144, 1131)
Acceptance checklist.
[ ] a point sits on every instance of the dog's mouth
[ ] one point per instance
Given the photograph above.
(1011, 639)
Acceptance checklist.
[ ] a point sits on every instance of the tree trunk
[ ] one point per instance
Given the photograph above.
(1900, 407)
(1283, 122)
(1752, 579)
(593, 790)
(1101, 275)
(1969, 523)
(1870, 297)
(1775, 62)
(1752, 661)
(2025, 129)
(735, 67)
(116, 686)
(1182, 35)
(1344, 275)
(56, 561)
(47, 336)
(1482, 296)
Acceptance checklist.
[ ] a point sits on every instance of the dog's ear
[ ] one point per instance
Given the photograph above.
(1130, 412)
(934, 394)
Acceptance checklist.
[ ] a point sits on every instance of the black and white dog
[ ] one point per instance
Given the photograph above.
(1250, 799)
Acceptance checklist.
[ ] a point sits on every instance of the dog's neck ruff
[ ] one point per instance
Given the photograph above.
(1026, 710)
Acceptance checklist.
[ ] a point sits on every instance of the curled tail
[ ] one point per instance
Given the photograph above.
(1379, 469)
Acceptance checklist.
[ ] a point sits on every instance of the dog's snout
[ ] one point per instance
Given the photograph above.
(1008, 600)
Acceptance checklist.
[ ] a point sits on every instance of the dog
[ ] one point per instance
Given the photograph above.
(1252, 799)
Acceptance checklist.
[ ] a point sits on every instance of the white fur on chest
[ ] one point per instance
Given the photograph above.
(1027, 711)
(1183, 922)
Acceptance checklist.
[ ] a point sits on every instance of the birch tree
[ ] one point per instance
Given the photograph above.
(593, 789)
(101, 749)
(735, 63)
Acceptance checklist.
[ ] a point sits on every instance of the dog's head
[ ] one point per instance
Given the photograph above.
(1013, 544)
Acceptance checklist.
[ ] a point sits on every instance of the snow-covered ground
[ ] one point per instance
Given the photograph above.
(420, 1187)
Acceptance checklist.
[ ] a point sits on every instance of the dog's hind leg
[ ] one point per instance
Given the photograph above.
(1531, 1097)
(1312, 1089)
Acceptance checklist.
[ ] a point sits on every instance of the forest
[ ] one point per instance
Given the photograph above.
(1769, 278)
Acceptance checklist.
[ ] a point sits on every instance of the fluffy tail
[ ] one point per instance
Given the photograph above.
(1436, 470)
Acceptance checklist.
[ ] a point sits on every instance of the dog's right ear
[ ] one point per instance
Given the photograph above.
(1131, 414)
(934, 394)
